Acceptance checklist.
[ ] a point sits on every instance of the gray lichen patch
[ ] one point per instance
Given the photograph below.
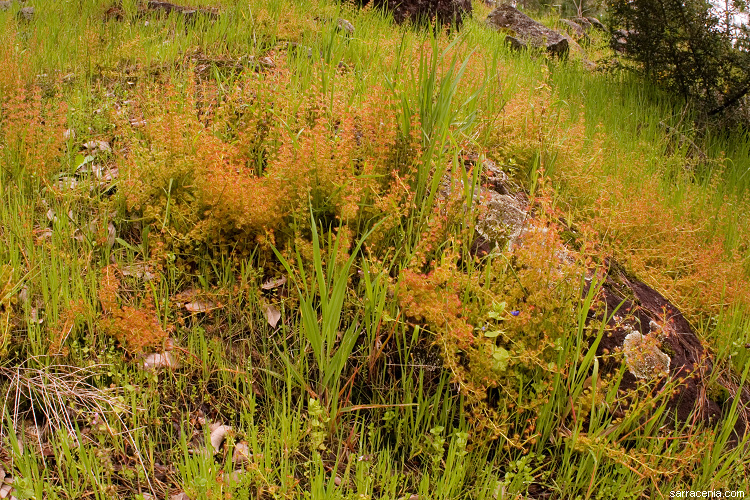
(503, 219)
(661, 331)
(644, 358)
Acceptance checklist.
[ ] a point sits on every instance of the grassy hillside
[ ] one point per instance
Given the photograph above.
(238, 260)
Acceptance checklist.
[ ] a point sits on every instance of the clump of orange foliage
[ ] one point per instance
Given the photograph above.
(686, 240)
(32, 127)
(135, 328)
(241, 175)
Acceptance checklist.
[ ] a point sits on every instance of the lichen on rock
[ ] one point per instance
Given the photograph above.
(503, 219)
(644, 358)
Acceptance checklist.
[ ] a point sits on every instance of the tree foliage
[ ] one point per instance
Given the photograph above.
(687, 46)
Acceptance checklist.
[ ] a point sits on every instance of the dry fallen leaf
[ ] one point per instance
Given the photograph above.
(271, 284)
(186, 295)
(155, 361)
(86, 167)
(233, 477)
(199, 418)
(110, 174)
(140, 271)
(218, 433)
(180, 496)
(106, 174)
(241, 454)
(272, 314)
(111, 234)
(5, 490)
(95, 145)
(200, 306)
(34, 316)
(67, 182)
(43, 234)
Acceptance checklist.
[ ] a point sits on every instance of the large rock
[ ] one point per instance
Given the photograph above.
(26, 13)
(161, 8)
(505, 211)
(657, 342)
(597, 24)
(445, 12)
(648, 335)
(582, 22)
(574, 29)
(526, 31)
(619, 40)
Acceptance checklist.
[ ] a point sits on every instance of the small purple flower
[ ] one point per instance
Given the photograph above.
(515, 313)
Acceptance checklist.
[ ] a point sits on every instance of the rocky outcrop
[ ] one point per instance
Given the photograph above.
(26, 13)
(23, 14)
(647, 335)
(445, 12)
(657, 344)
(345, 26)
(524, 31)
(597, 24)
(589, 23)
(619, 40)
(584, 23)
(157, 7)
(574, 29)
(505, 210)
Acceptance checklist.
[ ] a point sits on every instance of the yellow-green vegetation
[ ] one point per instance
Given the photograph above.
(237, 260)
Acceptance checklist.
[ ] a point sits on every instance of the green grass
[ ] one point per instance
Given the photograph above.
(353, 394)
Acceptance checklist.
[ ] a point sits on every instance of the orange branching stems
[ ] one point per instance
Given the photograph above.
(32, 128)
(136, 328)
